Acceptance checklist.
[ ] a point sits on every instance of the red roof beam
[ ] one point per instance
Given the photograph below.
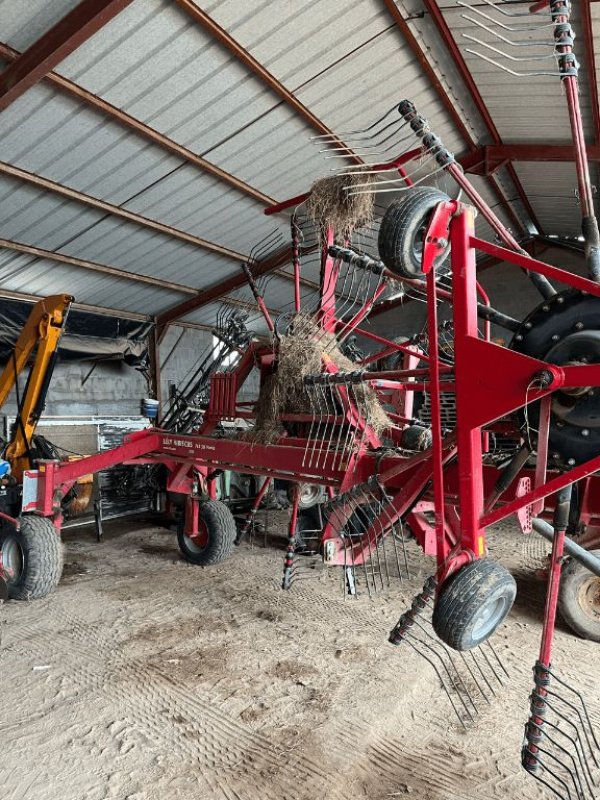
(55, 45)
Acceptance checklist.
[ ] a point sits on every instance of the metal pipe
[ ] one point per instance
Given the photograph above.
(584, 557)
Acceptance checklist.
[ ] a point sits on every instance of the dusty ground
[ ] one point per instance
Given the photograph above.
(146, 678)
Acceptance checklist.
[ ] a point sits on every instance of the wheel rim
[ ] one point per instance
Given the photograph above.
(199, 541)
(588, 597)
(489, 618)
(419, 243)
(12, 558)
(309, 493)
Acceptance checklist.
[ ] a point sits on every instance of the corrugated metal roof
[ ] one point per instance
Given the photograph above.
(21, 273)
(523, 109)
(45, 220)
(24, 22)
(346, 62)
(551, 189)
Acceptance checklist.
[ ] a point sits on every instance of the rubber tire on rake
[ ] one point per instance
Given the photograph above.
(579, 599)
(402, 230)
(472, 603)
(221, 533)
(35, 554)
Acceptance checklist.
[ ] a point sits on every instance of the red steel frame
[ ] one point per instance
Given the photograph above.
(449, 478)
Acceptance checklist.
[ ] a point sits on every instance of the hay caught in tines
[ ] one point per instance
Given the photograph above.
(300, 353)
(331, 206)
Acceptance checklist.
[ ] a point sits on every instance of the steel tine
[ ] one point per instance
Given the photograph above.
(427, 157)
(508, 56)
(511, 28)
(586, 729)
(401, 187)
(575, 741)
(581, 700)
(497, 657)
(505, 39)
(345, 134)
(309, 389)
(488, 662)
(446, 651)
(512, 71)
(397, 125)
(540, 763)
(450, 677)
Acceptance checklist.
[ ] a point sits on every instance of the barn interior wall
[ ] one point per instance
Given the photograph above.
(508, 289)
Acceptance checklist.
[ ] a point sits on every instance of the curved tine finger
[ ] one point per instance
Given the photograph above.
(482, 673)
(435, 653)
(576, 742)
(321, 434)
(318, 417)
(474, 678)
(387, 502)
(431, 663)
(396, 126)
(359, 512)
(380, 540)
(401, 187)
(446, 651)
(310, 391)
(578, 694)
(516, 74)
(397, 147)
(502, 38)
(425, 158)
(511, 28)
(498, 659)
(363, 130)
(508, 56)
(584, 727)
(545, 783)
(498, 7)
(566, 769)
(489, 663)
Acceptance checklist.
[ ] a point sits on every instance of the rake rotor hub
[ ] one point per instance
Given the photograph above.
(565, 331)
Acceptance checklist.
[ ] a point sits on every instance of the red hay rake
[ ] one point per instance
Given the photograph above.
(441, 483)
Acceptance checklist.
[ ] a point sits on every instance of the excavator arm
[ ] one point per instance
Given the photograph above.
(43, 329)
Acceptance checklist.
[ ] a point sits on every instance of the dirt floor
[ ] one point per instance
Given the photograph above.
(145, 678)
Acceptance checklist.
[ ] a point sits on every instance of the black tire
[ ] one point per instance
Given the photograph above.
(473, 603)
(34, 554)
(402, 230)
(579, 600)
(221, 533)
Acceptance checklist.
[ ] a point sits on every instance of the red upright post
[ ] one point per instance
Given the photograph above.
(470, 468)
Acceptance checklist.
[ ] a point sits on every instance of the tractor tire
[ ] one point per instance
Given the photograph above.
(34, 554)
(472, 604)
(403, 228)
(579, 600)
(218, 525)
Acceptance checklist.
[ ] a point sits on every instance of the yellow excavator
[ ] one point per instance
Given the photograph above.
(43, 329)
(21, 544)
